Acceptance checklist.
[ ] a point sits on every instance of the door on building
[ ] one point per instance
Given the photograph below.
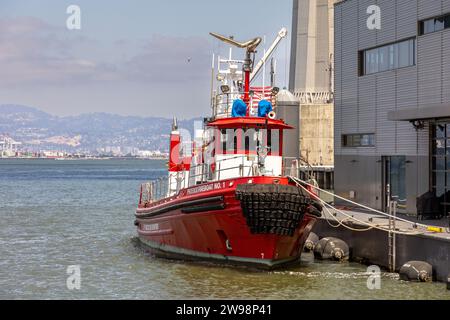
(440, 166)
(394, 181)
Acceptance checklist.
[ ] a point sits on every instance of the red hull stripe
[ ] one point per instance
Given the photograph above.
(151, 212)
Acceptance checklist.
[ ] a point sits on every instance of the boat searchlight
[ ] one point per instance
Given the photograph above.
(275, 91)
(225, 88)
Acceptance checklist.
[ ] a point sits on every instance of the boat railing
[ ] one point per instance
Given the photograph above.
(292, 166)
(241, 165)
(234, 167)
(223, 102)
(322, 175)
(154, 190)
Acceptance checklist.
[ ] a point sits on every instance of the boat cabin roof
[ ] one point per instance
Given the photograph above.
(249, 122)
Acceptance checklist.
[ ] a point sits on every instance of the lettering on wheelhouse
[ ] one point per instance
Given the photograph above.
(206, 187)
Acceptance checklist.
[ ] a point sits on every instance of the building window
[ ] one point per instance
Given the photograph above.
(434, 24)
(358, 140)
(441, 164)
(388, 57)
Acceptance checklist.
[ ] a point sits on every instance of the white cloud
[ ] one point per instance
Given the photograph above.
(34, 53)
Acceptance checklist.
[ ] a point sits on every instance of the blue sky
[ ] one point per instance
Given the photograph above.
(130, 57)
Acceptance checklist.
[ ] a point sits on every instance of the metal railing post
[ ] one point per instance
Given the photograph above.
(392, 210)
(218, 172)
(394, 245)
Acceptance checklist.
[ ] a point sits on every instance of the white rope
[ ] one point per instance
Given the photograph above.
(360, 205)
(349, 217)
(342, 223)
(370, 226)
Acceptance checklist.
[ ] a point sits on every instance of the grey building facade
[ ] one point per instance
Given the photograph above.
(392, 102)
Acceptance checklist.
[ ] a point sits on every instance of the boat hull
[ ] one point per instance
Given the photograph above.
(208, 223)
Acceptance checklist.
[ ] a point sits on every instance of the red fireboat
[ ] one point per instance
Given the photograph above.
(227, 197)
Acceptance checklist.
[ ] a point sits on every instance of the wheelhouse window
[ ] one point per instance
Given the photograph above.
(358, 140)
(248, 140)
(270, 138)
(228, 141)
(434, 24)
(389, 57)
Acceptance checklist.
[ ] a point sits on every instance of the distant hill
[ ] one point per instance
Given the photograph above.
(38, 130)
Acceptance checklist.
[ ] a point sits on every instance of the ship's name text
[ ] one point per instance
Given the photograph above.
(206, 187)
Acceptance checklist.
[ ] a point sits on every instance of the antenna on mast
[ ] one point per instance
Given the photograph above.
(250, 47)
(272, 71)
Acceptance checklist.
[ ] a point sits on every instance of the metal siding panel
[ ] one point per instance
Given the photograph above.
(385, 103)
(337, 124)
(349, 111)
(406, 139)
(367, 38)
(367, 151)
(429, 8)
(349, 47)
(407, 87)
(337, 128)
(429, 64)
(388, 21)
(446, 66)
(349, 151)
(406, 19)
(337, 78)
(445, 6)
(349, 71)
(367, 104)
(406, 98)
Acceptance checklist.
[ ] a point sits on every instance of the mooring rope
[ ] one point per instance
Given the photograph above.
(350, 217)
(342, 223)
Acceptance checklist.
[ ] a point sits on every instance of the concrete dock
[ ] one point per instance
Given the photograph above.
(371, 246)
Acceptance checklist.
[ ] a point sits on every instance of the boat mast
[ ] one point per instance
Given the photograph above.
(212, 81)
(247, 70)
(250, 47)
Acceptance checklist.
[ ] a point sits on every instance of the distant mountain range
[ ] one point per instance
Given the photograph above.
(38, 130)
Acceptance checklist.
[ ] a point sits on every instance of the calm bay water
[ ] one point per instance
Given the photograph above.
(60, 213)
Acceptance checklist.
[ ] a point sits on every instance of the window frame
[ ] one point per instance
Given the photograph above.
(423, 30)
(355, 140)
(370, 58)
